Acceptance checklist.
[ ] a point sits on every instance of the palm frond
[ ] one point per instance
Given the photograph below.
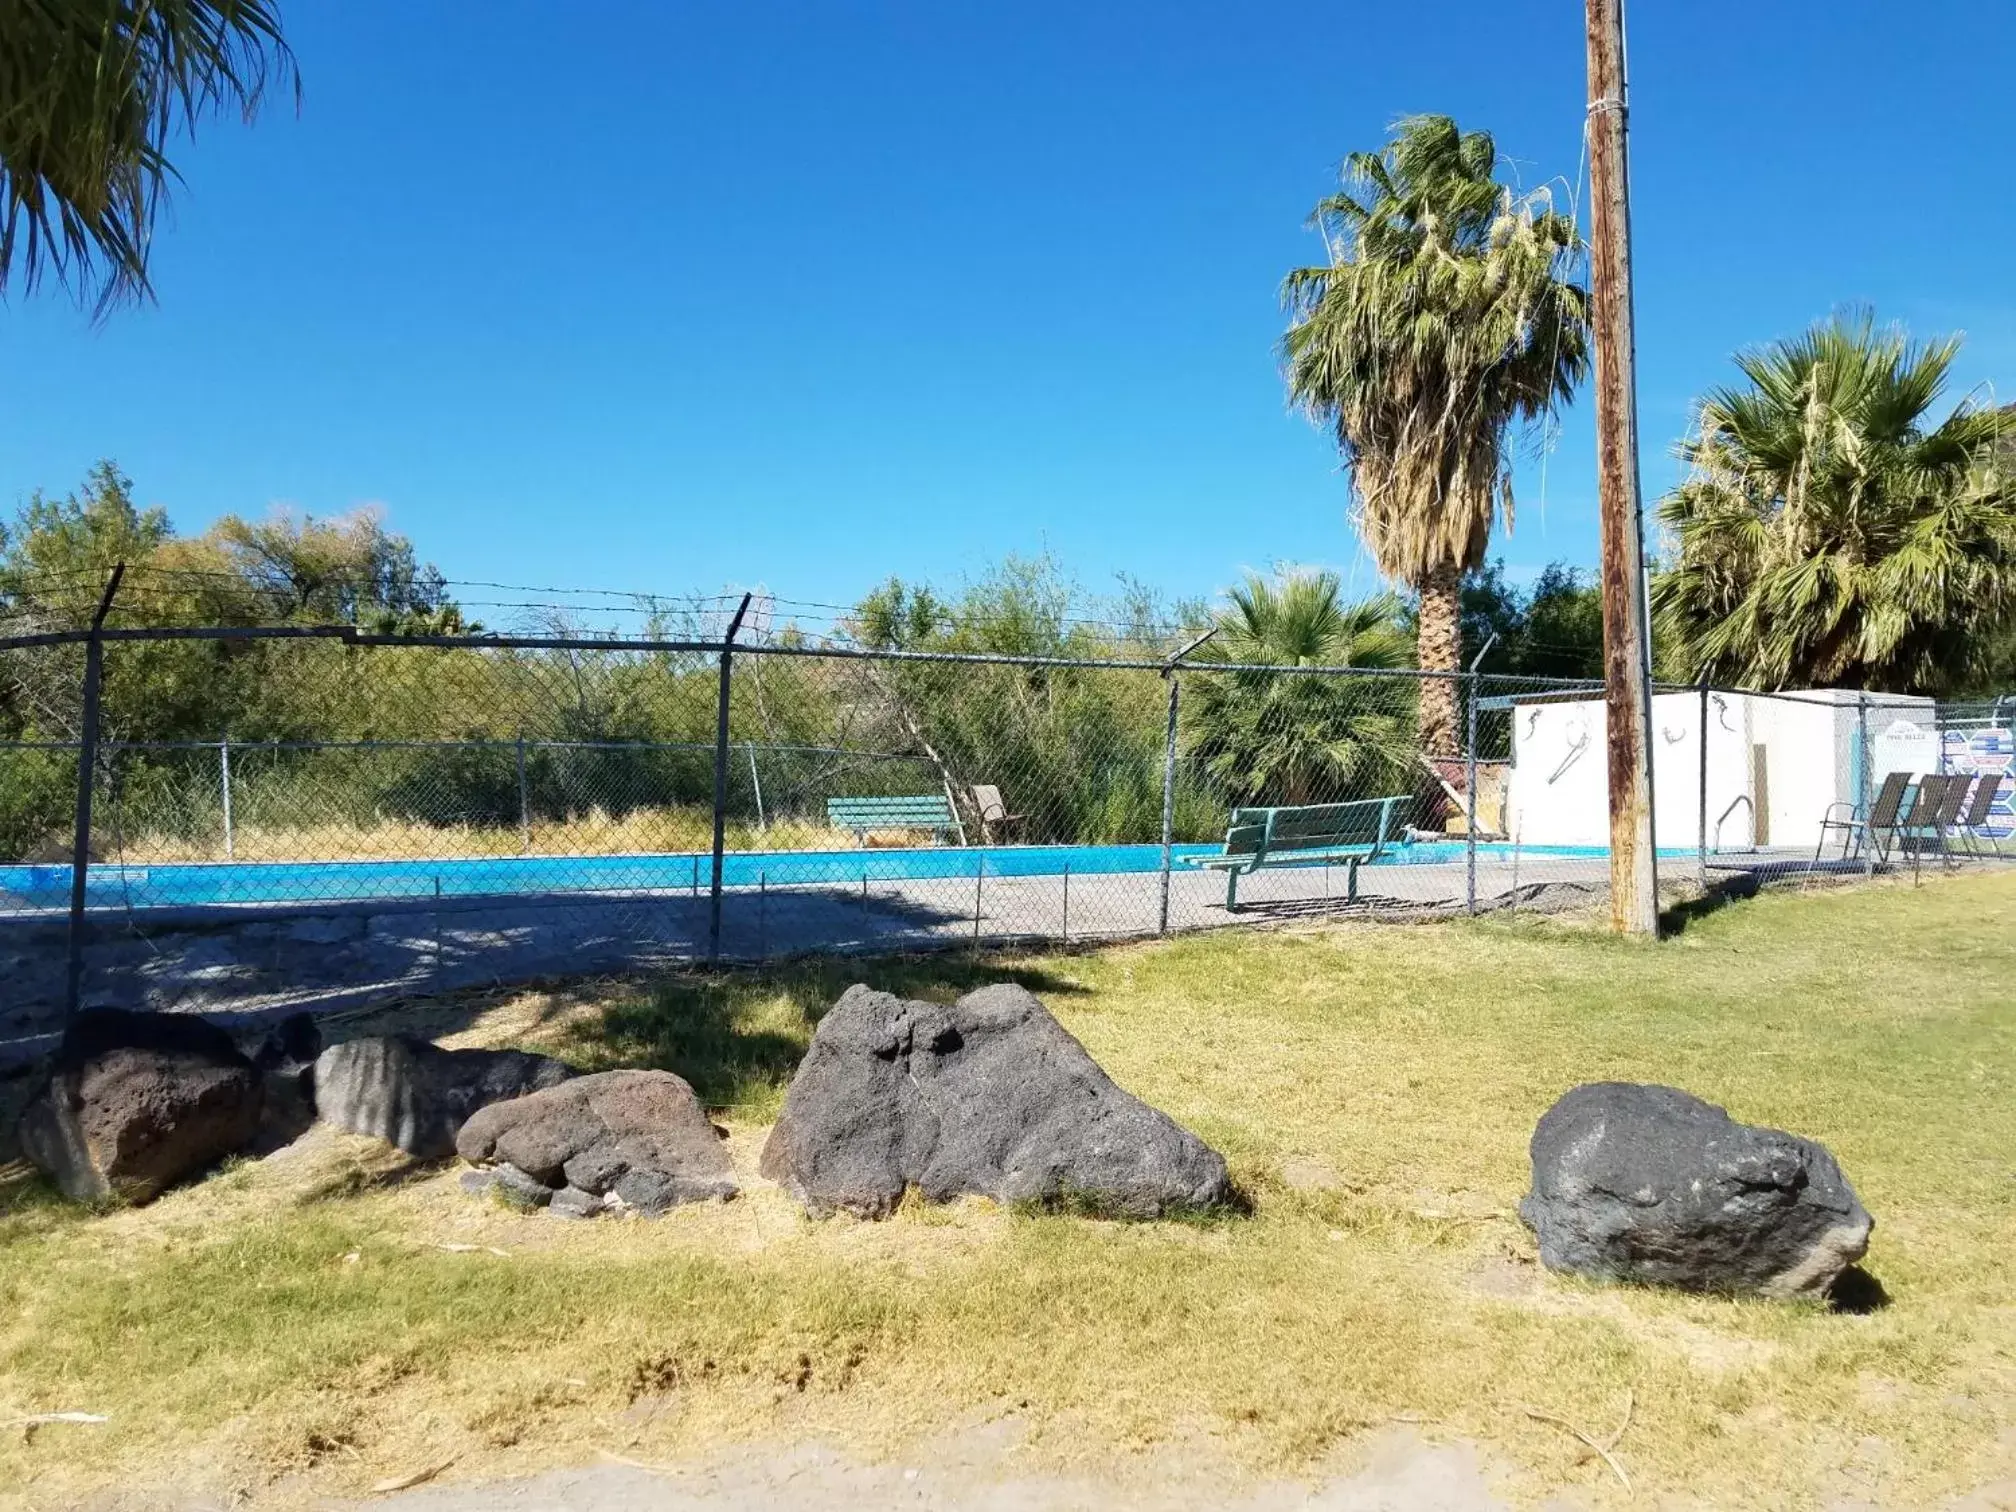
(91, 94)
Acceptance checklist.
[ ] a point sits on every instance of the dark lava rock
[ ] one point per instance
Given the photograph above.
(639, 1137)
(1651, 1184)
(416, 1095)
(136, 1101)
(990, 1096)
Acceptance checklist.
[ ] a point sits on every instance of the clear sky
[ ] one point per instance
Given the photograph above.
(683, 296)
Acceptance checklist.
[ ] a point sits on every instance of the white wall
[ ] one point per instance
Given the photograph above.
(1558, 790)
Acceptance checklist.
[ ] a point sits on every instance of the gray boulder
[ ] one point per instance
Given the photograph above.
(1650, 1184)
(990, 1096)
(136, 1101)
(416, 1095)
(621, 1139)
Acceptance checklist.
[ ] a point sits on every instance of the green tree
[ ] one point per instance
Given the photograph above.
(1445, 316)
(1076, 749)
(1552, 629)
(1830, 532)
(1267, 736)
(91, 94)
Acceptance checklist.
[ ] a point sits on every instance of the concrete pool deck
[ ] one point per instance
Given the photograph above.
(262, 960)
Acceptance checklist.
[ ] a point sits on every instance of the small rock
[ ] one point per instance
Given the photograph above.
(991, 1097)
(639, 1137)
(519, 1189)
(572, 1202)
(136, 1102)
(1651, 1184)
(416, 1095)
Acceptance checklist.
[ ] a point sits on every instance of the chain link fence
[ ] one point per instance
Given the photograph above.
(500, 809)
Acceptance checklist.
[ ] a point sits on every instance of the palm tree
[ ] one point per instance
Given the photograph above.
(1444, 316)
(1828, 532)
(90, 93)
(1291, 737)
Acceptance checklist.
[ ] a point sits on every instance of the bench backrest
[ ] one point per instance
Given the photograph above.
(924, 811)
(1365, 823)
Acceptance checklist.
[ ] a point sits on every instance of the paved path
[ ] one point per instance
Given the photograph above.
(264, 960)
(1397, 1471)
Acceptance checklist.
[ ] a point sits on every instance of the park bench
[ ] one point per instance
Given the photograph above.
(927, 811)
(1321, 834)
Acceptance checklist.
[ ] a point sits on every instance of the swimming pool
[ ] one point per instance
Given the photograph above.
(194, 884)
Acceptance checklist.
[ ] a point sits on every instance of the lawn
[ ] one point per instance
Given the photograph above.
(295, 1327)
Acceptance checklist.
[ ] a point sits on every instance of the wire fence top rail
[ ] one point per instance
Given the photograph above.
(350, 635)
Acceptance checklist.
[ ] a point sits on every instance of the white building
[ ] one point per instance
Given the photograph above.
(1775, 765)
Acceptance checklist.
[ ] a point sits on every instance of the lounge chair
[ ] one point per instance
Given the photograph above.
(1975, 819)
(1886, 819)
(1952, 803)
(1939, 801)
(993, 811)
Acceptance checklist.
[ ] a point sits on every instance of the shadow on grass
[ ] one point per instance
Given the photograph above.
(361, 1178)
(1857, 1293)
(1675, 921)
(738, 1036)
(31, 1206)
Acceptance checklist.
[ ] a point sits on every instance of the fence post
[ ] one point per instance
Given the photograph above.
(1701, 833)
(1168, 796)
(1862, 780)
(524, 802)
(721, 781)
(224, 788)
(87, 771)
(1470, 778)
(1169, 769)
(1470, 802)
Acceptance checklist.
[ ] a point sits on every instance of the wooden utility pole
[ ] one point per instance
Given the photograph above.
(1627, 680)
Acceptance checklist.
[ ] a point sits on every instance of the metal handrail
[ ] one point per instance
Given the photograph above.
(1740, 798)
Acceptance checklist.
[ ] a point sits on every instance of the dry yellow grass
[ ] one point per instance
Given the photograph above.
(312, 1323)
(593, 833)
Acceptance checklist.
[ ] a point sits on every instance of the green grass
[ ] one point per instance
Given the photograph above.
(1373, 1090)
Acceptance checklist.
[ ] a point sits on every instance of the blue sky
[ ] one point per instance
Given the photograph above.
(683, 296)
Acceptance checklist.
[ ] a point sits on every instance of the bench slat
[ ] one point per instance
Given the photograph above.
(920, 811)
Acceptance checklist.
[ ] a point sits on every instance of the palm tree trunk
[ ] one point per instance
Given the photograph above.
(1441, 650)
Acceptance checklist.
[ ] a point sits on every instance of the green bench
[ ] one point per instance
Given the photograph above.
(1319, 834)
(929, 811)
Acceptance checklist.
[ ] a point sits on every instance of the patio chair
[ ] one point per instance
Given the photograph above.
(1939, 802)
(1879, 830)
(1975, 819)
(993, 811)
(1947, 817)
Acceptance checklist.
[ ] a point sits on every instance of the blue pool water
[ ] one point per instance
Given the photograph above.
(192, 884)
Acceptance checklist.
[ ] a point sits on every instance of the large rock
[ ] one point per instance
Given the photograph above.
(638, 1137)
(415, 1095)
(1651, 1184)
(136, 1102)
(990, 1096)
